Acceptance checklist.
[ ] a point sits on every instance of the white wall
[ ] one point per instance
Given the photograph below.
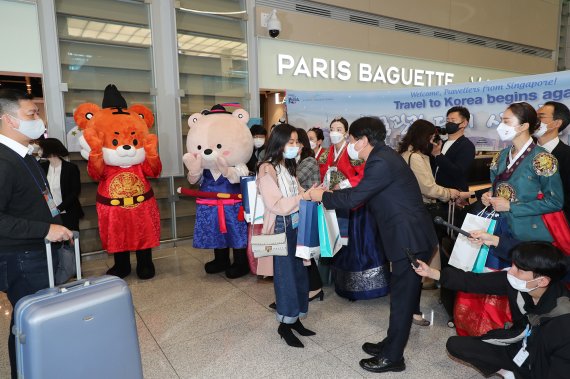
(19, 38)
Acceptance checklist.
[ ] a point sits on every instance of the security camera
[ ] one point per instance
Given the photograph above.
(273, 25)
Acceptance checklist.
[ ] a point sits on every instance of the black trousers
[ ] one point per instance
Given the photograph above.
(485, 357)
(315, 281)
(405, 291)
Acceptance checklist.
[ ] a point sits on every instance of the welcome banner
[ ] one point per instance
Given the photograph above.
(398, 109)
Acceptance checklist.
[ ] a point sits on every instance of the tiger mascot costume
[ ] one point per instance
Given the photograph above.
(121, 155)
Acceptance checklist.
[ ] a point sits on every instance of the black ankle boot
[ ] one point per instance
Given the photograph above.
(122, 267)
(240, 267)
(285, 332)
(145, 267)
(220, 263)
(299, 328)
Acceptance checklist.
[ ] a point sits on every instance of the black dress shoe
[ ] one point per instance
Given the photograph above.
(380, 364)
(374, 349)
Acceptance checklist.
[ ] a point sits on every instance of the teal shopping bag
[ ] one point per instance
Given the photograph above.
(326, 249)
(479, 265)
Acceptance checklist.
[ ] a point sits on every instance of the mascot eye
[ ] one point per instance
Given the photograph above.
(135, 142)
(141, 115)
(199, 147)
(115, 142)
(219, 146)
(89, 116)
(132, 133)
(240, 115)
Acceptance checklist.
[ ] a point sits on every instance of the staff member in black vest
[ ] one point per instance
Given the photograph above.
(391, 191)
(65, 185)
(28, 214)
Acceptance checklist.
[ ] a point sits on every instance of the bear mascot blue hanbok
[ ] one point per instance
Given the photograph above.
(219, 145)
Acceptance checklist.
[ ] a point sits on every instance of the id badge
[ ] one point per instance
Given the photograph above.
(51, 203)
(521, 356)
(295, 220)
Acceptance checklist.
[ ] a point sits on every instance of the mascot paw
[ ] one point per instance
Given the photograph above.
(151, 144)
(222, 166)
(193, 163)
(93, 139)
(145, 267)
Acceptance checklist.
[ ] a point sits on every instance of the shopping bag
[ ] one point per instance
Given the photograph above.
(308, 231)
(255, 204)
(464, 253)
(329, 234)
(479, 265)
(250, 258)
(243, 180)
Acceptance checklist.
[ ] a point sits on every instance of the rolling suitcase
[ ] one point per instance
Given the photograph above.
(84, 329)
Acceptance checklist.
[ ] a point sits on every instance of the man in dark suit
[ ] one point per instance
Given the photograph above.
(453, 158)
(391, 191)
(554, 118)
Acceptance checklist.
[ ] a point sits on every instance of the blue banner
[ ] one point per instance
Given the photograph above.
(398, 109)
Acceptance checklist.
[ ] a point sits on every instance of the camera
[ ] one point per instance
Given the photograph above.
(441, 130)
(273, 25)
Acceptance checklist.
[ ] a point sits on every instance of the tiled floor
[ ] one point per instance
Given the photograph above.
(195, 325)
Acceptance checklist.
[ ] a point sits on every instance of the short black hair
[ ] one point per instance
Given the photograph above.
(52, 146)
(10, 100)
(318, 132)
(542, 258)
(257, 130)
(561, 112)
(464, 112)
(370, 127)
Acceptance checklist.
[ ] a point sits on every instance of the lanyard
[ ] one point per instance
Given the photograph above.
(527, 330)
(34, 177)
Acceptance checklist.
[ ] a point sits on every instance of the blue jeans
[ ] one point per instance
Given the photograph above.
(22, 273)
(290, 278)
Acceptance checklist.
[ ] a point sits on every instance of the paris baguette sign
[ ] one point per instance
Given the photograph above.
(293, 65)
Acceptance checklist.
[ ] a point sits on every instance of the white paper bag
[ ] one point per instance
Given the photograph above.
(333, 231)
(465, 253)
(259, 207)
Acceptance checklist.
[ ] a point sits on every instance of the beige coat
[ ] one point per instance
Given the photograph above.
(275, 205)
(419, 163)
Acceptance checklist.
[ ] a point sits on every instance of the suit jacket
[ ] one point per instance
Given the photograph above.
(451, 170)
(390, 190)
(562, 153)
(70, 183)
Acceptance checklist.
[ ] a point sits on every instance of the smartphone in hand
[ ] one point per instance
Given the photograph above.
(412, 258)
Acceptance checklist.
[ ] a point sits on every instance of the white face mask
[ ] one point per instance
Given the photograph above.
(313, 145)
(541, 130)
(336, 137)
(33, 129)
(519, 284)
(506, 132)
(290, 152)
(258, 142)
(352, 152)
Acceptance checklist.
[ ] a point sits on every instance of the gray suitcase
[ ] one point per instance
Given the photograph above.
(84, 329)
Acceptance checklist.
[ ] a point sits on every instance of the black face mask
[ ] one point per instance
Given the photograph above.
(451, 127)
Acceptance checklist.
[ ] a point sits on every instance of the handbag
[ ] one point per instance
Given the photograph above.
(263, 245)
(308, 232)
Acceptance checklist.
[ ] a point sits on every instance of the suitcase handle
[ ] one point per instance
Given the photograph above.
(68, 286)
(50, 259)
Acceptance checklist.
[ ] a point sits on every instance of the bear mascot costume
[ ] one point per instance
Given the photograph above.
(121, 153)
(219, 146)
